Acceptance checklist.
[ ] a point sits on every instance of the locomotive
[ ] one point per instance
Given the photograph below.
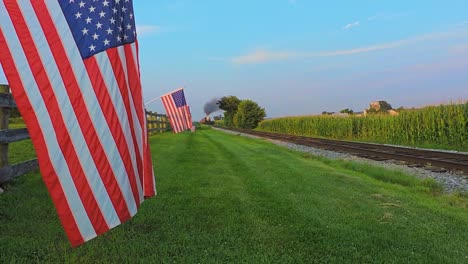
(207, 121)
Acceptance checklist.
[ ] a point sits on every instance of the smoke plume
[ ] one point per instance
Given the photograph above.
(211, 106)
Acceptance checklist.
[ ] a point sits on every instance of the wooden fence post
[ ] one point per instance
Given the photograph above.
(164, 119)
(148, 125)
(5, 169)
(158, 124)
(154, 125)
(168, 125)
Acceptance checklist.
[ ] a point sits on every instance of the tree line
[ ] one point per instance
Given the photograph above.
(241, 113)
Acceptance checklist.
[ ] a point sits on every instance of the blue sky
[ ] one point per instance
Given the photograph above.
(304, 57)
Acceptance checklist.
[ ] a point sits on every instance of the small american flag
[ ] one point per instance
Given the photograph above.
(189, 117)
(177, 110)
(73, 70)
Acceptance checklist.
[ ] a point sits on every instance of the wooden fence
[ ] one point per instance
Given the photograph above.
(156, 123)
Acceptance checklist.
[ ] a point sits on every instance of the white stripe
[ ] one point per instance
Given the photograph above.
(136, 120)
(171, 112)
(71, 121)
(54, 152)
(145, 125)
(182, 117)
(176, 114)
(135, 57)
(168, 112)
(106, 70)
(92, 105)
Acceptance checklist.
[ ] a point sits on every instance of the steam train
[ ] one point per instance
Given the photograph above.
(207, 121)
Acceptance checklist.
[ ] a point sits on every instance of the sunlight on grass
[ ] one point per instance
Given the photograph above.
(223, 198)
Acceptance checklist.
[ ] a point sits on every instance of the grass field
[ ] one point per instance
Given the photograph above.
(226, 198)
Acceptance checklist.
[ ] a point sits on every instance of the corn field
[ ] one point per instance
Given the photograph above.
(444, 126)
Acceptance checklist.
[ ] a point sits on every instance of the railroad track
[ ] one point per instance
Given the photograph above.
(438, 161)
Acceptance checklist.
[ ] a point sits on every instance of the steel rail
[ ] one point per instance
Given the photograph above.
(450, 161)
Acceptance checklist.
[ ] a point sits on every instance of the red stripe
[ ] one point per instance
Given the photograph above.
(183, 117)
(149, 181)
(110, 114)
(180, 117)
(187, 116)
(174, 113)
(48, 173)
(63, 138)
(138, 57)
(135, 85)
(166, 106)
(119, 73)
(86, 124)
(167, 112)
(136, 91)
(170, 109)
(184, 109)
(84, 119)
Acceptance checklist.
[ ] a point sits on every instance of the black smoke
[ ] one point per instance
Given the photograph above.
(211, 106)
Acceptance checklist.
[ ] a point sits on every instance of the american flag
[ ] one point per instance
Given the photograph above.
(73, 69)
(177, 110)
(189, 117)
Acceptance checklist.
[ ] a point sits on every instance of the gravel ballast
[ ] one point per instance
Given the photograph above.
(450, 181)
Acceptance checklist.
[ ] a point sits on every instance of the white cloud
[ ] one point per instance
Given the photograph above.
(148, 29)
(461, 24)
(262, 56)
(351, 25)
(388, 16)
(459, 49)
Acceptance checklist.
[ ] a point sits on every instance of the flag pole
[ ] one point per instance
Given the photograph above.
(152, 100)
(156, 98)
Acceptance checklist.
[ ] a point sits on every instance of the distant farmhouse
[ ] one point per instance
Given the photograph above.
(380, 107)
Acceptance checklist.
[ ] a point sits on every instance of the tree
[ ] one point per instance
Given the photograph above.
(218, 117)
(400, 109)
(379, 107)
(229, 104)
(248, 115)
(347, 111)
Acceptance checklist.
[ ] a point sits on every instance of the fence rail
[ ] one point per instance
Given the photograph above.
(156, 123)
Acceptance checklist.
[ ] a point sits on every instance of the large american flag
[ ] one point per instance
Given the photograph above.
(177, 110)
(73, 69)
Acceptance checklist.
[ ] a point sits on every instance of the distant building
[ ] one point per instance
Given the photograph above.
(380, 107)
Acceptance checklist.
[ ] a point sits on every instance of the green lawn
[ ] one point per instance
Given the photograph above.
(226, 198)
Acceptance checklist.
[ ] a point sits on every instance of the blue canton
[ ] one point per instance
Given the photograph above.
(98, 25)
(179, 98)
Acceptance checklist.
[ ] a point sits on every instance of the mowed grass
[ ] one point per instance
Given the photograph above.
(225, 198)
